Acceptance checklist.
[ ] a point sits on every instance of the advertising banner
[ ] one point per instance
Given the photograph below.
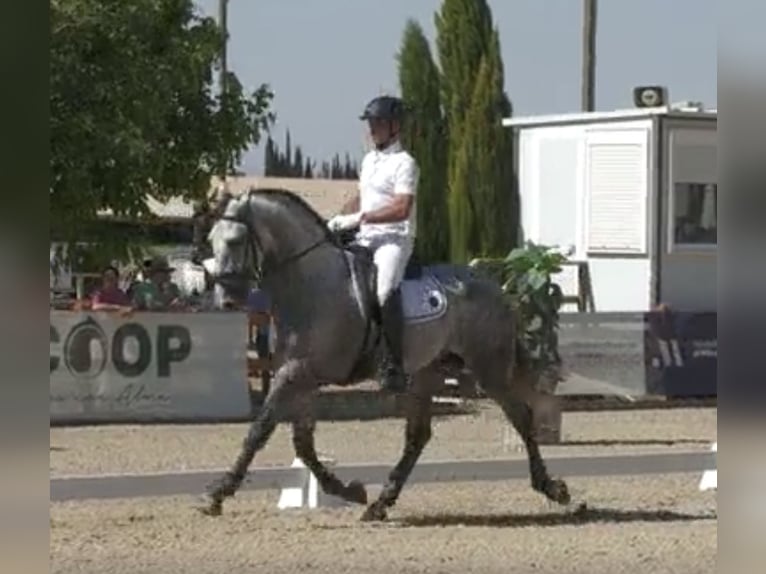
(682, 354)
(148, 367)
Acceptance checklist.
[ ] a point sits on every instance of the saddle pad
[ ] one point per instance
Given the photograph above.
(423, 299)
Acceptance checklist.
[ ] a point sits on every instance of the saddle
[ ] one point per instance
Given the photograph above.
(423, 291)
(422, 287)
(364, 264)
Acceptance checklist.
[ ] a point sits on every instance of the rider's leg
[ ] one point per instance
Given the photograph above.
(391, 260)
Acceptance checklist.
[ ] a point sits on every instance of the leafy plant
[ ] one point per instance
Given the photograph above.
(134, 111)
(526, 278)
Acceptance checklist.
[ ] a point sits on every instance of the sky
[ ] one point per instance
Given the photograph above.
(325, 59)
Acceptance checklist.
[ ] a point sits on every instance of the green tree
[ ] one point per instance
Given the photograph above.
(270, 157)
(350, 170)
(287, 160)
(336, 171)
(479, 176)
(464, 28)
(296, 169)
(485, 174)
(132, 109)
(424, 137)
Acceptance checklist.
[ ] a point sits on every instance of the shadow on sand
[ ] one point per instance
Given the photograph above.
(588, 516)
(635, 442)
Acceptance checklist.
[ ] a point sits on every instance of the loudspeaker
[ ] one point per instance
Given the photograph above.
(650, 96)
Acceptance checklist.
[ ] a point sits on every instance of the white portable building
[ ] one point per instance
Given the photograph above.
(633, 194)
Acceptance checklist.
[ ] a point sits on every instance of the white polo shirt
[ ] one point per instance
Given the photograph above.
(385, 173)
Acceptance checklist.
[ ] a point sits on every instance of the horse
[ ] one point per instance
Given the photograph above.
(323, 291)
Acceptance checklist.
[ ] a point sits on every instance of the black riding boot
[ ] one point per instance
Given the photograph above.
(392, 376)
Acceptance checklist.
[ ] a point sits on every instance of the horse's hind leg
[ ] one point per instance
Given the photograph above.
(259, 433)
(417, 435)
(492, 377)
(304, 423)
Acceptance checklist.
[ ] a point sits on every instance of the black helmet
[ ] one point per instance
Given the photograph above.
(384, 108)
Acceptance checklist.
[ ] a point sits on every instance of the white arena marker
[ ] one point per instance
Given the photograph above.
(311, 494)
(294, 497)
(710, 477)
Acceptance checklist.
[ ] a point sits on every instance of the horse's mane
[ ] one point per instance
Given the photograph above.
(290, 199)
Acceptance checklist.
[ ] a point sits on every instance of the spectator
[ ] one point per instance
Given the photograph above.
(157, 292)
(259, 302)
(109, 297)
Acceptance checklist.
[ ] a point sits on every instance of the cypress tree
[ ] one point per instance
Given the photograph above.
(287, 159)
(337, 169)
(464, 29)
(479, 176)
(423, 136)
(296, 168)
(268, 157)
(487, 143)
(348, 168)
(505, 192)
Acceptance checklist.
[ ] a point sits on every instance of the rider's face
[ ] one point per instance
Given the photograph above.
(381, 131)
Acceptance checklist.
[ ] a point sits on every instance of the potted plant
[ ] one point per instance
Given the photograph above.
(525, 276)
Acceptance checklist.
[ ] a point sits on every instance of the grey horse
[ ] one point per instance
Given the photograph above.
(323, 293)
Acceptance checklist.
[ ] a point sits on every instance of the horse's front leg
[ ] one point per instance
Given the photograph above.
(259, 433)
(417, 435)
(304, 424)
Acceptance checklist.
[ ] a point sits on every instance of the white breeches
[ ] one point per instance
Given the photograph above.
(391, 254)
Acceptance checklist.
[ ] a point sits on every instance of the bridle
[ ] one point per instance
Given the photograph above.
(254, 252)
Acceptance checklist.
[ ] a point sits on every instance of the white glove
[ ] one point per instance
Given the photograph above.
(343, 222)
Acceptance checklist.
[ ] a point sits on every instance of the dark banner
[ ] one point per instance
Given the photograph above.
(681, 352)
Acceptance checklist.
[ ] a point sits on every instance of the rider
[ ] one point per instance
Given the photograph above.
(384, 211)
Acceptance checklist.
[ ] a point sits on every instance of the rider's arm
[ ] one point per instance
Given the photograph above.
(397, 210)
(405, 188)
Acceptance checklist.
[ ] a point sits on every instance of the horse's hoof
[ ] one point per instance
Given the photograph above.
(355, 492)
(558, 492)
(374, 513)
(210, 506)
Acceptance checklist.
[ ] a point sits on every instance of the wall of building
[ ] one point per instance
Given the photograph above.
(553, 177)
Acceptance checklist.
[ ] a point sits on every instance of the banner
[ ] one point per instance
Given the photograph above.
(681, 350)
(148, 367)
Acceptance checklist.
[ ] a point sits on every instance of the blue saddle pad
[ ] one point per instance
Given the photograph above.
(423, 299)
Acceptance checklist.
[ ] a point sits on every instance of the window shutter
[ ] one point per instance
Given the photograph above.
(616, 183)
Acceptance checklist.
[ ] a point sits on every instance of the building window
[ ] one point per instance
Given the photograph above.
(695, 213)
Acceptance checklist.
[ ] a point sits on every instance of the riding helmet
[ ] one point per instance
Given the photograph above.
(384, 108)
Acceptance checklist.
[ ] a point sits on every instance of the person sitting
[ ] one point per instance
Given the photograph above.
(157, 292)
(109, 297)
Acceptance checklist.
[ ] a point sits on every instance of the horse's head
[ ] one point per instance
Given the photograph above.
(263, 232)
(232, 266)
